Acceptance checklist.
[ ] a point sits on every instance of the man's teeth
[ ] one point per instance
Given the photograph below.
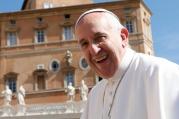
(101, 58)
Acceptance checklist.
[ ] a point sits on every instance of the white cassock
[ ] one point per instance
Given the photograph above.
(145, 87)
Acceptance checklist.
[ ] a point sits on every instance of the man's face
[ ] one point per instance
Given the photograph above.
(101, 43)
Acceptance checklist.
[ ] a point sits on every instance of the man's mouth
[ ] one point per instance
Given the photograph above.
(100, 58)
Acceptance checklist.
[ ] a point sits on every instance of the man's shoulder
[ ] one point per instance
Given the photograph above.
(153, 62)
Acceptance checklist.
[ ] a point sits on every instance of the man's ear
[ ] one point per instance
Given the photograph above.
(124, 33)
(124, 36)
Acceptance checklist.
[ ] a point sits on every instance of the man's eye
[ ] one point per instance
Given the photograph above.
(99, 39)
(103, 37)
(84, 44)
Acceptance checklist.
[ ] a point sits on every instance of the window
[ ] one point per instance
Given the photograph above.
(67, 16)
(40, 75)
(40, 36)
(83, 64)
(11, 82)
(12, 22)
(11, 39)
(40, 82)
(129, 25)
(39, 20)
(69, 78)
(47, 5)
(55, 65)
(67, 33)
(40, 66)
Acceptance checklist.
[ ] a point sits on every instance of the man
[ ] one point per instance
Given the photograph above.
(136, 86)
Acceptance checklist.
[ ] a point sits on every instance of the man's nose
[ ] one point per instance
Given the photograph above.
(94, 49)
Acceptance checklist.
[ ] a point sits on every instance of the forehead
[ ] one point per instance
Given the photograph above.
(91, 24)
(91, 17)
(93, 21)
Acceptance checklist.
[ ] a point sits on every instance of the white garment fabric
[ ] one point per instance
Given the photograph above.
(148, 89)
(83, 91)
(7, 94)
(21, 96)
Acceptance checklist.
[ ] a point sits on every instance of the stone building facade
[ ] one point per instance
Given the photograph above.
(34, 43)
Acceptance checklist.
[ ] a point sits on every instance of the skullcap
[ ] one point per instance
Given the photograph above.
(95, 10)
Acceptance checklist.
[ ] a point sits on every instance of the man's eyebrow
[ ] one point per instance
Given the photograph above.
(95, 35)
(99, 33)
(81, 41)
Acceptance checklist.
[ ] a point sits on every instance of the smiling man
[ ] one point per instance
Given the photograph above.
(136, 86)
(98, 39)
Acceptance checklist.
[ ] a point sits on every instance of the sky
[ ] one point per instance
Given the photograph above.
(164, 20)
